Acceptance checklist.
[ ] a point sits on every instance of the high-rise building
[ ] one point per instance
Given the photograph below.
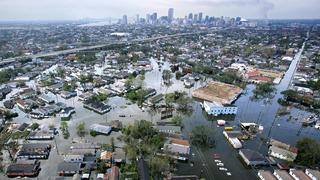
(206, 19)
(125, 20)
(170, 15)
(190, 17)
(154, 18)
(200, 17)
(148, 18)
(195, 18)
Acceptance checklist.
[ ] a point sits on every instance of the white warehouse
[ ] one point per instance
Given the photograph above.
(215, 108)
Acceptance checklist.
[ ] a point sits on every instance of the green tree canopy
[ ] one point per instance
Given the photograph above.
(308, 152)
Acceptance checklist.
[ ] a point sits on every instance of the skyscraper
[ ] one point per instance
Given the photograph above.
(125, 20)
(148, 17)
(195, 18)
(154, 18)
(170, 14)
(190, 17)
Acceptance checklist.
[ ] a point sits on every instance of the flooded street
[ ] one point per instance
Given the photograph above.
(262, 112)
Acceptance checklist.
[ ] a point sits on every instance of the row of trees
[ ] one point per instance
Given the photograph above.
(294, 96)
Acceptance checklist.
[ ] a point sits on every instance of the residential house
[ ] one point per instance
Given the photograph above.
(266, 175)
(41, 135)
(101, 129)
(298, 174)
(282, 150)
(282, 175)
(25, 105)
(34, 151)
(97, 106)
(28, 168)
(119, 155)
(46, 99)
(313, 174)
(150, 92)
(68, 169)
(72, 158)
(27, 93)
(68, 94)
(171, 131)
(179, 147)
(85, 146)
(66, 113)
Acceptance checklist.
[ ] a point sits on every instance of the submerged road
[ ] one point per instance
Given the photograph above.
(68, 51)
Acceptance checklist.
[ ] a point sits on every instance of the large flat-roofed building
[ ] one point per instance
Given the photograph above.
(218, 92)
(215, 108)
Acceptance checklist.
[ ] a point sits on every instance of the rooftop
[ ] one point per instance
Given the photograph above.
(217, 92)
(267, 175)
(252, 155)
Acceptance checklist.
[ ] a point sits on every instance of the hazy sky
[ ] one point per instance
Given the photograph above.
(78, 9)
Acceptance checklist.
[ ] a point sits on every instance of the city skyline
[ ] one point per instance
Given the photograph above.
(98, 9)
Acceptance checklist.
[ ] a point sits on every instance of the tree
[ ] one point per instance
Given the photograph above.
(184, 102)
(99, 97)
(177, 120)
(60, 72)
(181, 99)
(308, 152)
(158, 166)
(178, 75)
(101, 166)
(141, 139)
(34, 126)
(263, 90)
(202, 136)
(81, 129)
(166, 76)
(64, 129)
(86, 78)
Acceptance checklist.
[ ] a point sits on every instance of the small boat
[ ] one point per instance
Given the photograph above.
(317, 126)
(228, 128)
(221, 122)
